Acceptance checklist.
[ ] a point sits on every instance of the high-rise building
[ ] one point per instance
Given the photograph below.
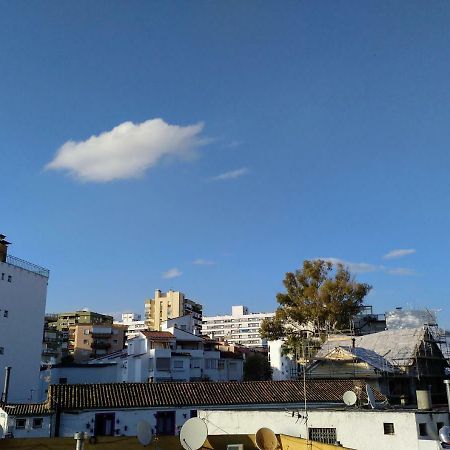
(242, 327)
(169, 305)
(23, 293)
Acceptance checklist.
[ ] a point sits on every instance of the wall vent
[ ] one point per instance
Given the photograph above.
(235, 447)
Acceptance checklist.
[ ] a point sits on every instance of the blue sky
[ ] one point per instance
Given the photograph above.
(210, 147)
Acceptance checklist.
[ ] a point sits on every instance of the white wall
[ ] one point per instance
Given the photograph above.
(21, 332)
(283, 367)
(8, 424)
(359, 429)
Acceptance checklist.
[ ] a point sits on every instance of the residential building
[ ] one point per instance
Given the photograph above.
(133, 325)
(167, 305)
(241, 327)
(51, 341)
(115, 409)
(397, 362)
(23, 293)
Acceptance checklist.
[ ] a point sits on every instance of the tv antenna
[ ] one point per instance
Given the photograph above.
(266, 439)
(193, 434)
(370, 397)
(144, 432)
(349, 398)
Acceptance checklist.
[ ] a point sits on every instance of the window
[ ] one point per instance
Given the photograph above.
(3, 276)
(162, 363)
(2, 350)
(62, 381)
(20, 424)
(85, 341)
(221, 364)
(211, 364)
(9, 278)
(37, 422)
(439, 425)
(165, 423)
(178, 364)
(388, 428)
(104, 424)
(325, 435)
(423, 429)
(86, 332)
(5, 313)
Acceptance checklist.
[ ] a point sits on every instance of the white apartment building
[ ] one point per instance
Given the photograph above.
(23, 293)
(241, 327)
(133, 323)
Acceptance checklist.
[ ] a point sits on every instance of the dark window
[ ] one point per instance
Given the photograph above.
(2, 350)
(162, 363)
(388, 428)
(62, 381)
(37, 422)
(193, 413)
(165, 423)
(325, 435)
(3, 276)
(423, 429)
(5, 313)
(20, 424)
(104, 424)
(9, 278)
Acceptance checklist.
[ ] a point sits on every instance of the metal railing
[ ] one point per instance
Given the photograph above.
(12, 260)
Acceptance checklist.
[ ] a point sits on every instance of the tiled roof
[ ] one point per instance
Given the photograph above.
(26, 409)
(158, 335)
(201, 394)
(397, 347)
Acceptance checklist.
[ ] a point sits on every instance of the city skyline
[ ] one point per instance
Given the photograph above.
(210, 149)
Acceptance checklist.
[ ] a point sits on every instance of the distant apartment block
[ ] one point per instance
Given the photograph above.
(133, 324)
(241, 327)
(169, 305)
(23, 293)
(84, 334)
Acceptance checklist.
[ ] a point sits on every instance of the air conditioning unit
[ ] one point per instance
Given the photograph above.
(235, 447)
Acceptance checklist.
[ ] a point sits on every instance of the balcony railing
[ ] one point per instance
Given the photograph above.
(13, 261)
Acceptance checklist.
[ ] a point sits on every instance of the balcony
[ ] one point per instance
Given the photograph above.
(30, 267)
(100, 345)
(100, 335)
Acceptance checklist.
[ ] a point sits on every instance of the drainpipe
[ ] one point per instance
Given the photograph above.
(4, 398)
(447, 387)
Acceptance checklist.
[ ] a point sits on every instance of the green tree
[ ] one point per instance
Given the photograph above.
(257, 368)
(320, 297)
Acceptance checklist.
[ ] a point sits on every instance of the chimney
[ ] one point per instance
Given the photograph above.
(4, 398)
(3, 248)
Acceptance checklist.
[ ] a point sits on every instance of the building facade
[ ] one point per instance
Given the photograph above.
(133, 324)
(167, 305)
(23, 293)
(241, 327)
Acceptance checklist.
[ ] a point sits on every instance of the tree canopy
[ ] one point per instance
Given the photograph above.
(257, 368)
(319, 297)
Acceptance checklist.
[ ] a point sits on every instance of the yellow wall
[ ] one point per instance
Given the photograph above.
(164, 443)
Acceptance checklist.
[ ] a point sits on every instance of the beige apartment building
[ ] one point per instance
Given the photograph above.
(90, 341)
(168, 305)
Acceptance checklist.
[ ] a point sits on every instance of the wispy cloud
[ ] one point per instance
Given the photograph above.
(230, 175)
(399, 253)
(172, 273)
(203, 262)
(363, 267)
(126, 151)
(356, 267)
(402, 271)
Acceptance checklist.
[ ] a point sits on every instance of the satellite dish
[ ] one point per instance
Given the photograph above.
(370, 397)
(2, 433)
(144, 432)
(266, 439)
(444, 434)
(193, 434)
(349, 398)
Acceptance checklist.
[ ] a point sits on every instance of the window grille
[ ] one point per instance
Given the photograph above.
(388, 428)
(324, 435)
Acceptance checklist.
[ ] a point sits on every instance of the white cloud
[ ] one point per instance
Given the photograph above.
(203, 262)
(362, 267)
(356, 267)
(126, 151)
(230, 175)
(402, 271)
(172, 273)
(398, 253)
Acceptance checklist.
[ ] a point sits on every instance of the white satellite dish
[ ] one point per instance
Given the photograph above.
(349, 398)
(266, 439)
(444, 434)
(144, 432)
(370, 397)
(193, 434)
(2, 433)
